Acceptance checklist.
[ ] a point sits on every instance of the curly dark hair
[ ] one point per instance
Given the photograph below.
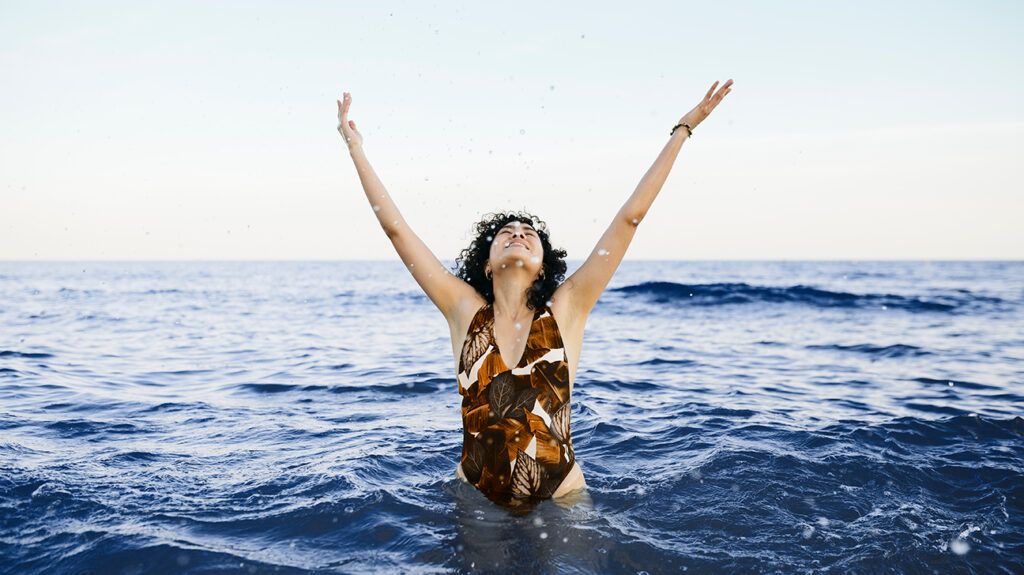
(471, 263)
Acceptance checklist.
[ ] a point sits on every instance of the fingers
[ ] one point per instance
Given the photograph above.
(343, 105)
(726, 87)
(721, 91)
(711, 90)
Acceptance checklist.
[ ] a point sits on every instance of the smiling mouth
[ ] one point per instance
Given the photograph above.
(510, 244)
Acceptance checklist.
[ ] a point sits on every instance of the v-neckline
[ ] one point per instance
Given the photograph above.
(497, 348)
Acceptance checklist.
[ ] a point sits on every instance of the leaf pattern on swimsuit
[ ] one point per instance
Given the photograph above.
(505, 400)
(476, 345)
(517, 440)
(560, 426)
(526, 478)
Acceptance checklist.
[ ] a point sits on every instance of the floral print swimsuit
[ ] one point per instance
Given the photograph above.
(516, 440)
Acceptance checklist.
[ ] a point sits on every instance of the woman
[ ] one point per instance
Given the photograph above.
(516, 328)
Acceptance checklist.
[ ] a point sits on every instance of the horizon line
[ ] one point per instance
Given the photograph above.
(397, 260)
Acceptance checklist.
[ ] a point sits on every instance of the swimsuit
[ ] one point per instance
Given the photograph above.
(516, 440)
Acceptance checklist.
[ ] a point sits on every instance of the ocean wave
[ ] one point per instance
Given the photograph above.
(24, 354)
(743, 293)
(892, 351)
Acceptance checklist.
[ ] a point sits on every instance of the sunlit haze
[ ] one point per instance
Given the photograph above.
(198, 130)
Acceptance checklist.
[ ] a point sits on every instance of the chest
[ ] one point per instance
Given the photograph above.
(509, 342)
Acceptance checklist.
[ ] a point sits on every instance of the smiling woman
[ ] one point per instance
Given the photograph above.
(516, 328)
(492, 234)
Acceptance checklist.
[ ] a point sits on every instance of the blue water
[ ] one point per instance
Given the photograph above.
(729, 417)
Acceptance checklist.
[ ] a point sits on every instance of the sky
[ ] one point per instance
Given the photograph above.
(208, 130)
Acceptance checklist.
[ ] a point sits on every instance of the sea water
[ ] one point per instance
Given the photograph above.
(293, 417)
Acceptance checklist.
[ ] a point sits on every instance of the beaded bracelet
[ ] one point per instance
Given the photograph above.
(689, 132)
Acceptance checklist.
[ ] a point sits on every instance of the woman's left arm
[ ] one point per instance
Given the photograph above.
(586, 284)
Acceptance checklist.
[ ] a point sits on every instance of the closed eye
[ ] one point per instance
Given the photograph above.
(528, 232)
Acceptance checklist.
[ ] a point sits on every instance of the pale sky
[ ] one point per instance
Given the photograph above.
(207, 130)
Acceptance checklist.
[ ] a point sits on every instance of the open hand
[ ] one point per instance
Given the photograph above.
(346, 127)
(701, 110)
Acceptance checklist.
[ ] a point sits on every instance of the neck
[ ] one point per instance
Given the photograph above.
(510, 289)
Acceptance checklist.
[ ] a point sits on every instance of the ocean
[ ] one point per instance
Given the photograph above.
(303, 417)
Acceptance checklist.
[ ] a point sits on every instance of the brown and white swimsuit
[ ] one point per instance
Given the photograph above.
(516, 440)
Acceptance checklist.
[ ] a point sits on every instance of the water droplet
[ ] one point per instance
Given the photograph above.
(808, 530)
(543, 534)
(502, 266)
(602, 252)
(950, 383)
(519, 326)
(535, 259)
(489, 238)
(823, 521)
(538, 521)
(376, 208)
(349, 509)
(519, 263)
(565, 539)
(636, 221)
(412, 265)
(549, 302)
(959, 546)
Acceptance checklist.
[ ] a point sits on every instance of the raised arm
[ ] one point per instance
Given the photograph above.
(443, 288)
(586, 284)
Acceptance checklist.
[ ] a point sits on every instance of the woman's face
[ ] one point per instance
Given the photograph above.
(517, 242)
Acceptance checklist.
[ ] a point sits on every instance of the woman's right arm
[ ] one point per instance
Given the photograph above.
(443, 288)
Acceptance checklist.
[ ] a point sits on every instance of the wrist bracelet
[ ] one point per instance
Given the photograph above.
(689, 132)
